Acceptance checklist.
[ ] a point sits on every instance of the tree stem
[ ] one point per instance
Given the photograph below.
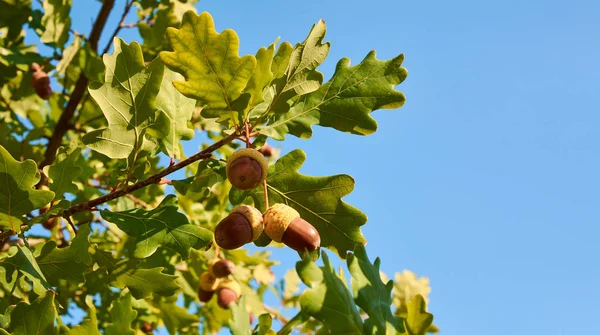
(150, 180)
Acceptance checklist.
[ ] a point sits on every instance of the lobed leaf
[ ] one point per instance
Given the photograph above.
(328, 299)
(164, 225)
(36, 318)
(215, 74)
(17, 193)
(345, 101)
(127, 98)
(372, 295)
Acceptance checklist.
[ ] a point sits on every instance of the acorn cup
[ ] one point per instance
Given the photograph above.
(40, 82)
(220, 268)
(243, 225)
(284, 224)
(246, 169)
(207, 286)
(229, 291)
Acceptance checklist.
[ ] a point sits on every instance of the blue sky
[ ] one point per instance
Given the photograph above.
(486, 181)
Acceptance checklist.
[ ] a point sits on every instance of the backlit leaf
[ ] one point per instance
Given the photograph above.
(56, 21)
(17, 193)
(215, 74)
(36, 318)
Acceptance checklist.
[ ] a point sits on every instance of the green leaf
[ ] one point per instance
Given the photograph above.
(418, 319)
(13, 15)
(346, 101)
(68, 55)
(80, 246)
(328, 299)
(128, 100)
(56, 21)
(64, 171)
(197, 188)
(142, 283)
(301, 75)
(265, 321)
(317, 199)
(122, 316)
(262, 75)
(371, 294)
(60, 264)
(35, 319)
(178, 109)
(295, 71)
(21, 259)
(89, 325)
(177, 320)
(164, 225)
(240, 322)
(17, 195)
(215, 74)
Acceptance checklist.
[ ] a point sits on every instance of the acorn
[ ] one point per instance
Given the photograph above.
(50, 223)
(246, 169)
(207, 286)
(284, 224)
(146, 328)
(266, 150)
(40, 82)
(221, 268)
(243, 225)
(228, 292)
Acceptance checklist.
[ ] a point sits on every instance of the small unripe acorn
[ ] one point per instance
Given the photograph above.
(208, 282)
(284, 224)
(221, 268)
(246, 169)
(228, 292)
(266, 150)
(146, 328)
(243, 225)
(40, 82)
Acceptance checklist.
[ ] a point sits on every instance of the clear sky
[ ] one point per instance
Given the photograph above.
(486, 181)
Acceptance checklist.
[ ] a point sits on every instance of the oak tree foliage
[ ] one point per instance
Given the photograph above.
(97, 236)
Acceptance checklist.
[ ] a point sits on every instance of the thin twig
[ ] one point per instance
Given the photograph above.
(68, 218)
(128, 5)
(266, 194)
(276, 313)
(156, 178)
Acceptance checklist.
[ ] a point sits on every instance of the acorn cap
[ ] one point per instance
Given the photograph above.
(208, 282)
(254, 216)
(232, 285)
(250, 153)
(276, 220)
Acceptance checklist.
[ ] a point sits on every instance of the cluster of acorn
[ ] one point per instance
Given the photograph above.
(215, 280)
(247, 169)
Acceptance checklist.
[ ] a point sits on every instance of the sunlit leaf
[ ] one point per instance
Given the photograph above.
(17, 193)
(164, 225)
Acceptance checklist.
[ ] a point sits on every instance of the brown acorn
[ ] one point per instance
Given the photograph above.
(243, 225)
(221, 268)
(228, 292)
(284, 224)
(146, 328)
(205, 296)
(50, 223)
(246, 169)
(40, 82)
(266, 150)
(207, 286)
